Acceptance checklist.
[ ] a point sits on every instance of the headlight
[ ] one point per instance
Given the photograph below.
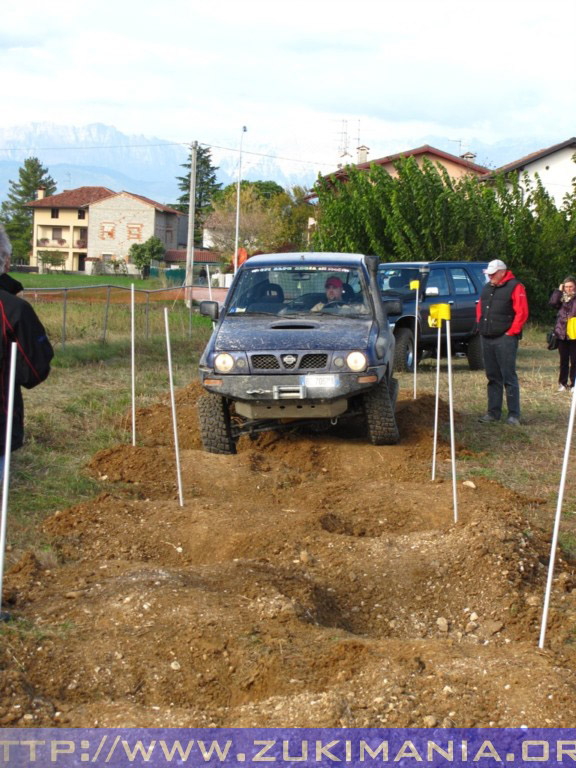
(356, 361)
(224, 362)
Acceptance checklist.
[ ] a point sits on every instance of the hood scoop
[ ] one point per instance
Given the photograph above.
(292, 325)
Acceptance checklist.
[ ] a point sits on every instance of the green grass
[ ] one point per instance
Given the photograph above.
(62, 280)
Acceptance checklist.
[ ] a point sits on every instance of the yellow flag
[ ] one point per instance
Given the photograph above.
(438, 312)
(414, 285)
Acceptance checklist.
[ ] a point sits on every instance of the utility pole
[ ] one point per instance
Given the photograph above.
(191, 215)
(238, 202)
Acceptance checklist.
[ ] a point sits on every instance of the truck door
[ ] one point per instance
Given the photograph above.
(465, 296)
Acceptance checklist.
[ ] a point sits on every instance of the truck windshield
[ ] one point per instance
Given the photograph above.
(311, 289)
(395, 281)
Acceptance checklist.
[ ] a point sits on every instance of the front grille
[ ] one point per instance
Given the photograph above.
(314, 361)
(268, 362)
(265, 362)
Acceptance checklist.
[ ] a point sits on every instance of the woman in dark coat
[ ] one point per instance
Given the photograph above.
(564, 300)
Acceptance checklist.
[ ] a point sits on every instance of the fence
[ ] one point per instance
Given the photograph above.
(102, 312)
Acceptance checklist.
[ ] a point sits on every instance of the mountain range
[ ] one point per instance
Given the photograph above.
(101, 155)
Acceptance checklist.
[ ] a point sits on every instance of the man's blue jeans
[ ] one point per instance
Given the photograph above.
(500, 366)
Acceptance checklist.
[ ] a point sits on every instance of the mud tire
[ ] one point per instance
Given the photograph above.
(404, 353)
(214, 423)
(474, 353)
(379, 413)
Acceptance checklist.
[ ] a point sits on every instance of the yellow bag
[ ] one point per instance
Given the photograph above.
(571, 328)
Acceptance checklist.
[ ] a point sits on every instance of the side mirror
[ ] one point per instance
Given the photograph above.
(392, 306)
(432, 291)
(209, 309)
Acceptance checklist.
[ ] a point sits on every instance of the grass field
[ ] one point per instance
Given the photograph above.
(84, 405)
(61, 280)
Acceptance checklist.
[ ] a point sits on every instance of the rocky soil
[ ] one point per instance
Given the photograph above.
(311, 580)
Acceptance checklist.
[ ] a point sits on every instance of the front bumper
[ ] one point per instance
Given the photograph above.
(292, 395)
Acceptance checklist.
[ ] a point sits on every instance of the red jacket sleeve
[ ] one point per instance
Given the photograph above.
(520, 304)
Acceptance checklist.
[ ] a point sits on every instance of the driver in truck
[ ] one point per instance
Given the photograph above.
(334, 288)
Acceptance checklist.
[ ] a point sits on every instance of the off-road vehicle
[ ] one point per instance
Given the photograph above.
(282, 354)
(457, 283)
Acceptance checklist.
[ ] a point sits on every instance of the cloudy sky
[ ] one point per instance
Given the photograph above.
(306, 77)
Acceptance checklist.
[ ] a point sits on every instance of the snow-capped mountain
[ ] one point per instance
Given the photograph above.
(100, 155)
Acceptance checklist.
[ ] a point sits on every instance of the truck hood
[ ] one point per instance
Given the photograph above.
(256, 333)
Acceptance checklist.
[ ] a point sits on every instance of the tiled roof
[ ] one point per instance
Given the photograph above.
(518, 165)
(158, 206)
(200, 256)
(426, 149)
(73, 198)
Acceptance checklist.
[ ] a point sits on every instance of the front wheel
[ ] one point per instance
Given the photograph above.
(214, 422)
(404, 354)
(474, 353)
(379, 413)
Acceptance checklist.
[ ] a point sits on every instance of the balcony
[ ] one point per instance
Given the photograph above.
(81, 244)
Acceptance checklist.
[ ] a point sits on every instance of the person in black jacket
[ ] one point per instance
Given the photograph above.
(501, 314)
(19, 323)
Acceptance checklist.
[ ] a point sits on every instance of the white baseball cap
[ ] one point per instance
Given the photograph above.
(494, 266)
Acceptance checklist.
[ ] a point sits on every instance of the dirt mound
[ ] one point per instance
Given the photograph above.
(309, 580)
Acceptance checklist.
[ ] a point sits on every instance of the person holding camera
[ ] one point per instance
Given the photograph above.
(564, 300)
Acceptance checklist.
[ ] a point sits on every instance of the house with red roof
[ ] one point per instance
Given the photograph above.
(455, 165)
(88, 225)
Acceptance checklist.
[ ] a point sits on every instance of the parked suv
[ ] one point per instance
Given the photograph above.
(457, 283)
(281, 353)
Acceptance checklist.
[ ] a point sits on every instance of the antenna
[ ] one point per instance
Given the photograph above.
(343, 148)
(459, 142)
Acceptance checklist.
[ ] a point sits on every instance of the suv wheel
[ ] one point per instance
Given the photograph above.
(474, 353)
(404, 354)
(379, 413)
(214, 422)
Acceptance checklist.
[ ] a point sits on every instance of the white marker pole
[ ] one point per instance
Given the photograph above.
(209, 282)
(6, 475)
(173, 402)
(436, 406)
(416, 336)
(557, 523)
(133, 365)
(451, 407)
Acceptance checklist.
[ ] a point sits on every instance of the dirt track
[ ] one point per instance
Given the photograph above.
(310, 580)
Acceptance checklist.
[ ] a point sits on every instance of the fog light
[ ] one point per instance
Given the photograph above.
(338, 362)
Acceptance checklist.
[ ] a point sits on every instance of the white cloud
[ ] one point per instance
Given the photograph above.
(184, 70)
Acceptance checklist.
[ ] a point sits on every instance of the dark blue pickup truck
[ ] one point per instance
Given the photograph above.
(457, 283)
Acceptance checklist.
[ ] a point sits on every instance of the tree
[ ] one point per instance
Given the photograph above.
(142, 254)
(206, 188)
(15, 215)
(270, 218)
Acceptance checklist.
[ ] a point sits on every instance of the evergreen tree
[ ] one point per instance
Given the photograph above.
(15, 215)
(206, 188)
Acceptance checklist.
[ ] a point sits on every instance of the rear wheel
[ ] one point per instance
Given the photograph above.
(474, 353)
(379, 413)
(404, 354)
(214, 422)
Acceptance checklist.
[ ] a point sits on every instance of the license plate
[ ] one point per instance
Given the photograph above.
(320, 381)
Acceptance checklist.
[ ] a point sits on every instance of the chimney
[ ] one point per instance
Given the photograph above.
(362, 154)
(40, 193)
